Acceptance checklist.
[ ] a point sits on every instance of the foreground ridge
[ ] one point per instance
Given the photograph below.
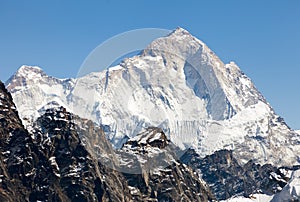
(58, 161)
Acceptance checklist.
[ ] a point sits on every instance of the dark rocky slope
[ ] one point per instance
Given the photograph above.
(227, 178)
(23, 167)
(158, 174)
(66, 158)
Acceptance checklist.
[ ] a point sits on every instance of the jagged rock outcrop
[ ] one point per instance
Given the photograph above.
(52, 164)
(79, 174)
(24, 169)
(227, 178)
(156, 173)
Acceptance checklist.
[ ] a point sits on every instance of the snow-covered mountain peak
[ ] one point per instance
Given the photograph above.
(179, 44)
(29, 68)
(24, 75)
(177, 84)
(180, 31)
(33, 90)
(29, 72)
(182, 34)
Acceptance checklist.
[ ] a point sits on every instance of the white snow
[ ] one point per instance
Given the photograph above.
(117, 67)
(133, 190)
(147, 136)
(253, 198)
(276, 176)
(287, 173)
(32, 172)
(6, 152)
(54, 164)
(75, 170)
(291, 191)
(157, 136)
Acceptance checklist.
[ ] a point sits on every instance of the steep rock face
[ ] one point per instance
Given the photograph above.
(227, 178)
(186, 54)
(24, 170)
(79, 174)
(75, 160)
(10, 125)
(177, 84)
(51, 164)
(159, 175)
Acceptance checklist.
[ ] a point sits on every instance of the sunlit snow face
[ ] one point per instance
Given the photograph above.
(132, 95)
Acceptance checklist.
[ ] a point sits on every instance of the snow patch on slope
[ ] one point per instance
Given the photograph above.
(291, 191)
(253, 198)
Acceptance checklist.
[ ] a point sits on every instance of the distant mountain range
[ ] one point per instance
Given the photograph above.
(172, 123)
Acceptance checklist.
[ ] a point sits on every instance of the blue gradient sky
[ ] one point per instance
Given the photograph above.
(262, 37)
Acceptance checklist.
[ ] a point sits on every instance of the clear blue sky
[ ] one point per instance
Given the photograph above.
(262, 37)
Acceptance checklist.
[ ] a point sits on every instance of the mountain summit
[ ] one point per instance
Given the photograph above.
(179, 85)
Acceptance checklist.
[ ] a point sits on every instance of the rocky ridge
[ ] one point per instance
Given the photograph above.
(64, 159)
